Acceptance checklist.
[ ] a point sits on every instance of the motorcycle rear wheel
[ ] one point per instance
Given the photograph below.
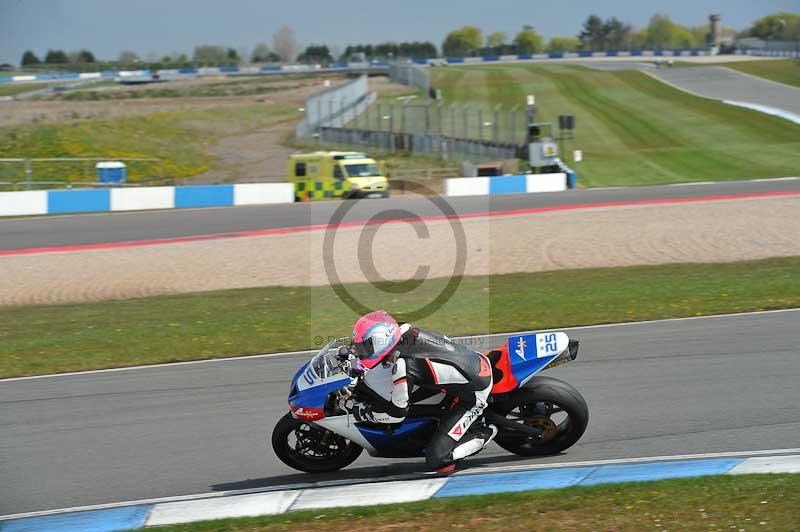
(551, 404)
(310, 448)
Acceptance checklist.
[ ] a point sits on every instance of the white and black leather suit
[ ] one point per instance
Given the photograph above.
(425, 366)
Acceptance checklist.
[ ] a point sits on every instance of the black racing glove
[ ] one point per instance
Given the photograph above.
(362, 413)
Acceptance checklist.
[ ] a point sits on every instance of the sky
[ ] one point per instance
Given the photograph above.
(160, 27)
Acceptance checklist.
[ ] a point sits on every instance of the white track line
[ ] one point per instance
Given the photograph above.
(310, 351)
(644, 459)
(420, 476)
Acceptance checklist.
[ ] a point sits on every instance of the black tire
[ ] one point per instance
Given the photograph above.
(531, 403)
(337, 453)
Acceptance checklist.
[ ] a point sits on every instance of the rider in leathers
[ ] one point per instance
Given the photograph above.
(404, 365)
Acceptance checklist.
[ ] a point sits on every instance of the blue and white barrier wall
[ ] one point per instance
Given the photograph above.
(31, 202)
(506, 184)
(269, 69)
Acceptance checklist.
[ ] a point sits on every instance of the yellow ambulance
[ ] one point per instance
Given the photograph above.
(336, 174)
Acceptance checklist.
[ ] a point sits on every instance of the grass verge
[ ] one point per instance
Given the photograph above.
(49, 339)
(216, 90)
(781, 70)
(181, 140)
(12, 89)
(633, 129)
(751, 502)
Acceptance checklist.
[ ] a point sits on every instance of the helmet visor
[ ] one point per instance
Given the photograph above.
(365, 349)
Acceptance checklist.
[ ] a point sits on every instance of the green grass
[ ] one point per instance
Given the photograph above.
(750, 502)
(179, 138)
(48, 339)
(781, 70)
(217, 90)
(12, 89)
(633, 129)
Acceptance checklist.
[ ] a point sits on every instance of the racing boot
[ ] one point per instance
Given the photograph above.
(481, 437)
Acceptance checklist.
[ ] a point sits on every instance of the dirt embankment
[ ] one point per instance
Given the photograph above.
(719, 231)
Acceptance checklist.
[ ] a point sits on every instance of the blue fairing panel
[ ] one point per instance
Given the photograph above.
(313, 392)
(380, 438)
(293, 387)
(531, 353)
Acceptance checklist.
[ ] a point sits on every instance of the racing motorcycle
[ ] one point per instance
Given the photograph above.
(535, 415)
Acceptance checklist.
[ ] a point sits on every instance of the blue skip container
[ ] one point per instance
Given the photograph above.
(111, 172)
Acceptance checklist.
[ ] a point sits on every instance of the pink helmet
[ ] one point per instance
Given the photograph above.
(374, 336)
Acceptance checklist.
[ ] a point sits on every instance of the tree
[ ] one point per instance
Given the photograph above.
(285, 44)
(85, 56)
(663, 33)
(208, 54)
(262, 54)
(639, 39)
(563, 44)
(416, 49)
(617, 34)
(29, 58)
(425, 49)
(496, 39)
(387, 50)
(316, 54)
(593, 34)
(127, 56)
(527, 41)
(55, 56)
(659, 32)
(232, 56)
(700, 34)
(776, 27)
(462, 42)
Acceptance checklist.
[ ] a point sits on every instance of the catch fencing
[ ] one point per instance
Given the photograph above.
(412, 75)
(444, 146)
(422, 126)
(350, 115)
(457, 120)
(335, 107)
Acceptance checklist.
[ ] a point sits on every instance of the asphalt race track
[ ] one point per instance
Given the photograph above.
(727, 84)
(66, 230)
(726, 383)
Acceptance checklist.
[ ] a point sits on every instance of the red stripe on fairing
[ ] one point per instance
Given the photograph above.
(433, 371)
(399, 381)
(363, 223)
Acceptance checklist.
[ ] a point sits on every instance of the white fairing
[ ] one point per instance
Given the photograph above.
(545, 348)
(345, 426)
(540, 345)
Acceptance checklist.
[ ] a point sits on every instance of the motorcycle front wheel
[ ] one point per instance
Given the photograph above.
(310, 448)
(550, 404)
